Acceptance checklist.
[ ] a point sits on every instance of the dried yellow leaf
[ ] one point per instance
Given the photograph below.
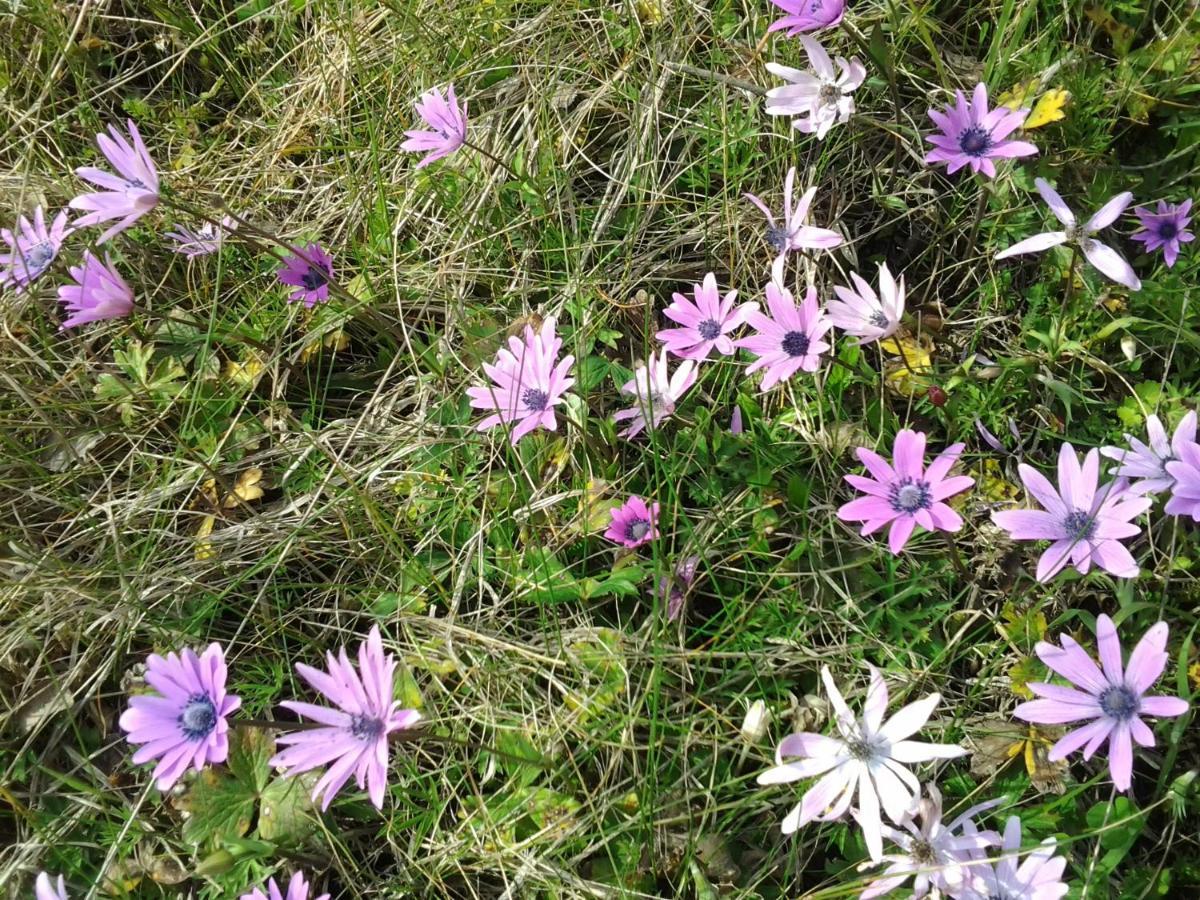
(204, 547)
(1049, 108)
(1020, 95)
(244, 373)
(912, 360)
(247, 488)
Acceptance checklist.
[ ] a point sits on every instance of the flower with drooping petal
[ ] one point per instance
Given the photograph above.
(633, 523)
(808, 15)
(528, 381)
(447, 120)
(1185, 490)
(1086, 525)
(868, 316)
(1110, 698)
(794, 234)
(187, 723)
(309, 270)
(907, 495)
(99, 292)
(790, 339)
(46, 889)
(297, 889)
(674, 588)
(972, 135)
(655, 392)
(868, 754)
(1165, 229)
(127, 196)
(353, 739)
(208, 238)
(705, 323)
(1037, 877)
(1107, 261)
(32, 247)
(1148, 462)
(819, 99)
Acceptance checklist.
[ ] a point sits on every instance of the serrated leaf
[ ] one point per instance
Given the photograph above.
(285, 815)
(249, 751)
(220, 806)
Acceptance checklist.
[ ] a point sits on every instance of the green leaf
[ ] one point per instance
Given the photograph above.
(285, 816)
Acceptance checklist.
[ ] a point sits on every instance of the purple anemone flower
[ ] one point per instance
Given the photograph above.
(1185, 490)
(128, 196)
(706, 322)
(907, 495)
(353, 739)
(32, 247)
(309, 270)
(47, 889)
(99, 292)
(1111, 699)
(655, 392)
(793, 234)
(1166, 228)
(1037, 877)
(1086, 525)
(202, 241)
(790, 339)
(972, 135)
(447, 120)
(863, 313)
(187, 724)
(808, 15)
(633, 523)
(1148, 462)
(297, 889)
(819, 99)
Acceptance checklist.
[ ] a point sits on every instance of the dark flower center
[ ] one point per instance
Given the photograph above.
(366, 728)
(709, 329)
(908, 495)
(975, 141)
(1079, 526)
(314, 278)
(38, 257)
(637, 529)
(923, 853)
(1167, 230)
(860, 749)
(136, 183)
(535, 399)
(795, 343)
(777, 237)
(1119, 703)
(879, 320)
(829, 94)
(1000, 895)
(199, 717)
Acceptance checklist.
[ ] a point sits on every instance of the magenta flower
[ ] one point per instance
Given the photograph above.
(202, 241)
(447, 121)
(808, 15)
(354, 738)
(1148, 463)
(99, 292)
(128, 196)
(1038, 877)
(187, 724)
(297, 889)
(791, 339)
(1112, 701)
(820, 99)
(1085, 524)
(907, 495)
(1165, 229)
(973, 136)
(633, 523)
(45, 889)
(31, 248)
(674, 588)
(1185, 491)
(794, 234)
(309, 270)
(706, 322)
(655, 392)
(868, 754)
(863, 313)
(1107, 260)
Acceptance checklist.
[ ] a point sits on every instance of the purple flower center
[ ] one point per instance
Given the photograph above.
(535, 399)
(199, 717)
(37, 258)
(777, 237)
(366, 728)
(975, 141)
(1167, 230)
(136, 184)
(314, 278)
(909, 495)
(709, 329)
(879, 320)
(922, 852)
(795, 343)
(1079, 526)
(829, 94)
(637, 529)
(861, 749)
(1119, 703)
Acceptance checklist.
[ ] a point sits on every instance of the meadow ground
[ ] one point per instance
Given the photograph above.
(222, 465)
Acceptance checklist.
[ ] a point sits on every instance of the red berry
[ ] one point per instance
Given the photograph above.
(936, 395)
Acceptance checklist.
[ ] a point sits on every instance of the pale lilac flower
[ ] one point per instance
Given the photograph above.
(808, 15)
(128, 196)
(735, 421)
(309, 270)
(1185, 493)
(208, 238)
(1112, 699)
(99, 292)
(819, 99)
(187, 723)
(354, 737)
(655, 392)
(46, 889)
(674, 588)
(793, 234)
(706, 322)
(972, 135)
(32, 247)
(1086, 525)
(790, 339)
(528, 381)
(1107, 260)
(447, 121)
(1148, 463)
(297, 889)
(868, 316)
(633, 523)
(907, 495)
(1037, 877)
(1166, 228)
(868, 754)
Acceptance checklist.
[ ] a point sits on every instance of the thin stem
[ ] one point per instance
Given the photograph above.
(890, 74)
(1069, 293)
(497, 160)
(980, 209)
(955, 556)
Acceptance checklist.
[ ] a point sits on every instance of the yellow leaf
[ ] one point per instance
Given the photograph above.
(246, 489)
(912, 360)
(1020, 95)
(1194, 675)
(1049, 108)
(336, 341)
(245, 373)
(992, 483)
(204, 547)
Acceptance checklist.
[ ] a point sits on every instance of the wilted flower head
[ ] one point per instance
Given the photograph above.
(187, 723)
(633, 523)
(1165, 229)
(99, 292)
(1148, 462)
(655, 392)
(808, 15)
(31, 248)
(47, 889)
(868, 754)
(1112, 699)
(674, 588)
(353, 739)
(790, 339)
(297, 889)
(448, 121)
(819, 99)
(972, 135)
(1037, 877)
(793, 234)
(528, 381)
(206, 239)
(706, 323)
(1086, 525)
(309, 270)
(863, 313)
(1107, 260)
(127, 196)
(1185, 491)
